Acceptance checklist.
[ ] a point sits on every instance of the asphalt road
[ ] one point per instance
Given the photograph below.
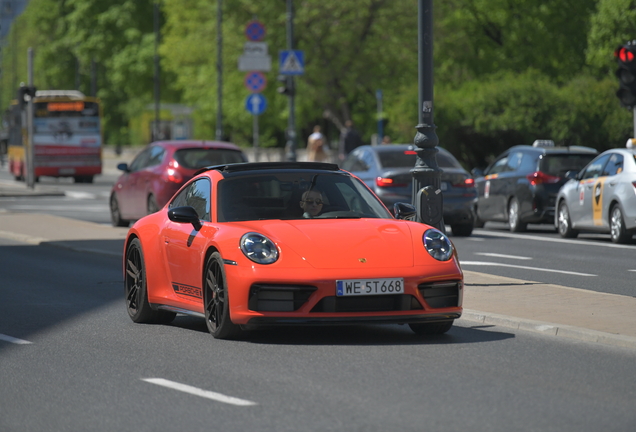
(72, 360)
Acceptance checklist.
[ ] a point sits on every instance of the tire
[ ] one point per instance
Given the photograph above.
(136, 289)
(152, 206)
(514, 221)
(478, 222)
(431, 328)
(565, 223)
(618, 233)
(217, 301)
(115, 214)
(463, 230)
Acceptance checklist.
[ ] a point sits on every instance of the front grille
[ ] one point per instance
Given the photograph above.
(441, 294)
(278, 298)
(381, 303)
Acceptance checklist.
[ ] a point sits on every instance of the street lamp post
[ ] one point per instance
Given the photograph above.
(292, 139)
(427, 195)
(219, 72)
(156, 129)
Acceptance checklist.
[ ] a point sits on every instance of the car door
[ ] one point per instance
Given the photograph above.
(610, 188)
(490, 201)
(184, 246)
(590, 190)
(129, 183)
(144, 179)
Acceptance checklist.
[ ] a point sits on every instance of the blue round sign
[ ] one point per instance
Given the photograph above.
(255, 104)
(255, 81)
(255, 31)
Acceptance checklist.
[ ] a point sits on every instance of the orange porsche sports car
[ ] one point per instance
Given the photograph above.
(288, 243)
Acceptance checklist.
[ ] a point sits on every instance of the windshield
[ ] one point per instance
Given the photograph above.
(296, 195)
(195, 158)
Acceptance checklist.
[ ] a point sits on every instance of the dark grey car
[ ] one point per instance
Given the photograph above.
(386, 169)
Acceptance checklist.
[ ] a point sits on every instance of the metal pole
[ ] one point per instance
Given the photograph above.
(219, 72)
(255, 137)
(427, 195)
(157, 72)
(634, 110)
(29, 159)
(292, 139)
(378, 96)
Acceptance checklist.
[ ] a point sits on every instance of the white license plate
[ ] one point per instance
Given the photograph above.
(355, 287)
(444, 186)
(67, 171)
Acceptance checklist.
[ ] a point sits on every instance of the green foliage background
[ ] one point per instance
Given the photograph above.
(506, 71)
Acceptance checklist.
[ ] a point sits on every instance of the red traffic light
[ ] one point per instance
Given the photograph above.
(624, 54)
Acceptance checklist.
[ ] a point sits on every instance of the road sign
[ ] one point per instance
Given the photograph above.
(255, 104)
(255, 31)
(292, 62)
(255, 81)
(255, 57)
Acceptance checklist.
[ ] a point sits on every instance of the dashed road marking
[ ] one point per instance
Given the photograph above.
(496, 255)
(493, 264)
(14, 340)
(199, 392)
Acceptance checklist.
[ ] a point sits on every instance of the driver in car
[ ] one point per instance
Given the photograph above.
(311, 203)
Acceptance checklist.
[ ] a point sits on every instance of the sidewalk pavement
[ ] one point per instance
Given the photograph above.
(488, 300)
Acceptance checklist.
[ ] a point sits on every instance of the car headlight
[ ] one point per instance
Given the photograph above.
(437, 245)
(259, 248)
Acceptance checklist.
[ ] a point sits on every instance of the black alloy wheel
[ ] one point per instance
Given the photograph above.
(136, 289)
(618, 233)
(217, 302)
(115, 215)
(514, 217)
(564, 222)
(431, 328)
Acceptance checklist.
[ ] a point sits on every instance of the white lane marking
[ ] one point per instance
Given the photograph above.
(199, 392)
(14, 340)
(487, 233)
(476, 239)
(632, 270)
(481, 263)
(503, 256)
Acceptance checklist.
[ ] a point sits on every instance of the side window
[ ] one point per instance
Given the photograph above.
(354, 163)
(141, 160)
(196, 195)
(614, 165)
(514, 161)
(499, 166)
(528, 163)
(595, 168)
(367, 160)
(156, 156)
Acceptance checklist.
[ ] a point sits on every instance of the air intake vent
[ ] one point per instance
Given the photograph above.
(278, 298)
(441, 294)
(381, 303)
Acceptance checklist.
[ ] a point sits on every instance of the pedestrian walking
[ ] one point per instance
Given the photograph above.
(317, 150)
(349, 140)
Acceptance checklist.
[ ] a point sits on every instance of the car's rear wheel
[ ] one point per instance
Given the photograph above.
(431, 328)
(136, 289)
(463, 230)
(217, 301)
(514, 218)
(115, 214)
(565, 223)
(618, 232)
(479, 223)
(152, 204)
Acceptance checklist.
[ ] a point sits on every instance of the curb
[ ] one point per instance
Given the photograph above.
(550, 329)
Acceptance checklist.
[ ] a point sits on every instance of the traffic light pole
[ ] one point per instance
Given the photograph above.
(292, 139)
(30, 177)
(427, 194)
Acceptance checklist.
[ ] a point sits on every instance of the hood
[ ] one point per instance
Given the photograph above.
(344, 243)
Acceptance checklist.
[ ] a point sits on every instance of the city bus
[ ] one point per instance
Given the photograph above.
(67, 136)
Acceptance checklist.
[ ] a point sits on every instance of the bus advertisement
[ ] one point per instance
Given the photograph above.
(67, 137)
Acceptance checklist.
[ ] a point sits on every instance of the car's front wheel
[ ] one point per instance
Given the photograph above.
(479, 223)
(618, 232)
(431, 328)
(136, 289)
(565, 223)
(217, 301)
(514, 217)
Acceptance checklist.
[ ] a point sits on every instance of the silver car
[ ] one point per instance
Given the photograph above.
(600, 198)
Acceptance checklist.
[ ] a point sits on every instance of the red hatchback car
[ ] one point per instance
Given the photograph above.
(159, 171)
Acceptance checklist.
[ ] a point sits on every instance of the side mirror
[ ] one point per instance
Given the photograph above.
(122, 167)
(404, 211)
(477, 172)
(185, 214)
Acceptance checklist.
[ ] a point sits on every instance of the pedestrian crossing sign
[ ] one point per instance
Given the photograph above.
(292, 62)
